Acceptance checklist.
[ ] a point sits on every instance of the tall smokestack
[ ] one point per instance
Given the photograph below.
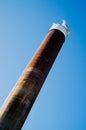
(19, 102)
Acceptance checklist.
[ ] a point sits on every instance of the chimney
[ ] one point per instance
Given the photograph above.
(19, 102)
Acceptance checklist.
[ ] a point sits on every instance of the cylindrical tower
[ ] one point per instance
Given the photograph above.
(19, 102)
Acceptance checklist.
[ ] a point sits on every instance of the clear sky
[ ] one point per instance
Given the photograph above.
(61, 104)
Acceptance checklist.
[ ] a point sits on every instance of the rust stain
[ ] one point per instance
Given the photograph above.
(23, 95)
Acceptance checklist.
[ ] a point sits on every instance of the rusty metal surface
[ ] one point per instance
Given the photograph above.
(18, 104)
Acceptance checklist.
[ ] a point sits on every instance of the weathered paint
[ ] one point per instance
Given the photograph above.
(19, 102)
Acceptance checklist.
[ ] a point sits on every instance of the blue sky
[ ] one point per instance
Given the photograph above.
(61, 104)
